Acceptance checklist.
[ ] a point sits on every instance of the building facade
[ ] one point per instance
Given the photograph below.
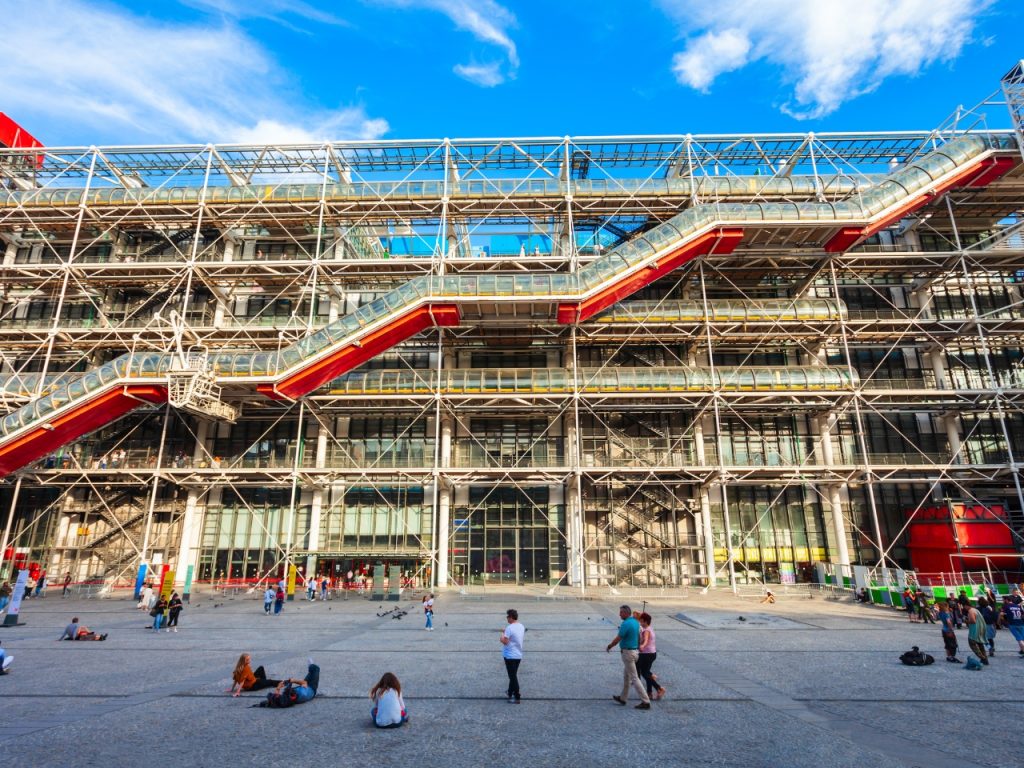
(651, 361)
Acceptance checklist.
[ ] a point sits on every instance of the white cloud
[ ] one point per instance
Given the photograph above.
(484, 75)
(488, 22)
(274, 10)
(121, 75)
(830, 51)
(709, 56)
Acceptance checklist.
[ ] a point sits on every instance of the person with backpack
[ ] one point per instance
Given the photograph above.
(294, 691)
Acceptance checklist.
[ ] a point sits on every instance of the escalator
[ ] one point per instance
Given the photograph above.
(105, 394)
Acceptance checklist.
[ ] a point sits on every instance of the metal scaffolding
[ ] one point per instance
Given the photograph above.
(731, 419)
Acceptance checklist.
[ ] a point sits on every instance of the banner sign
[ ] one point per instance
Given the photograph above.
(188, 583)
(168, 587)
(14, 606)
(290, 590)
(140, 580)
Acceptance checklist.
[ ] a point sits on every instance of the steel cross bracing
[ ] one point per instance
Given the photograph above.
(575, 198)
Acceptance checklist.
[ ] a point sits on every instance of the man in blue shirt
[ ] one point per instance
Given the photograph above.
(1013, 619)
(628, 641)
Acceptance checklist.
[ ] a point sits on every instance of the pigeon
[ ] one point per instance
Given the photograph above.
(742, 618)
(446, 623)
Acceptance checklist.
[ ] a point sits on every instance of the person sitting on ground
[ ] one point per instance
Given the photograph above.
(863, 596)
(388, 706)
(769, 597)
(76, 631)
(294, 691)
(246, 680)
(5, 662)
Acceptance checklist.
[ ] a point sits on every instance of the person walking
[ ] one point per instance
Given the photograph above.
(67, 583)
(278, 600)
(976, 631)
(174, 606)
(268, 599)
(512, 652)
(948, 635)
(628, 640)
(648, 653)
(1013, 619)
(428, 611)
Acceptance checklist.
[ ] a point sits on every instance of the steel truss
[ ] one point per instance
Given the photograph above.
(256, 247)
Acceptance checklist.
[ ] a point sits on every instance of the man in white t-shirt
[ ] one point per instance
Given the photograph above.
(512, 652)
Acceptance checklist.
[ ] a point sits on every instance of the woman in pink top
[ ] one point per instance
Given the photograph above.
(648, 653)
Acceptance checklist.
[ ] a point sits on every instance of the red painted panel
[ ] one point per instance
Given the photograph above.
(14, 136)
(371, 345)
(844, 239)
(978, 173)
(86, 417)
(996, 167)
(980, 530)
(716, 241)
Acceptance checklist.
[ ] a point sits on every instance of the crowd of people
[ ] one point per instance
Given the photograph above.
(982, 617)
(635, 638)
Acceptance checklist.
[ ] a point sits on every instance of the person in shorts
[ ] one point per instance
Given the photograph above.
(1013, 619)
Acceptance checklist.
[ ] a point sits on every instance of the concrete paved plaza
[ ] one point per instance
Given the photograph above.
(822, 689)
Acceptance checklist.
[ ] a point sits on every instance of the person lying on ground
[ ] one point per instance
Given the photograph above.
(294, 691)
(76, 631)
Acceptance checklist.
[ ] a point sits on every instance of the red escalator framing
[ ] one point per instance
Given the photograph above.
(715, 241)
(978, 174)
(357, 353)
(83, 418)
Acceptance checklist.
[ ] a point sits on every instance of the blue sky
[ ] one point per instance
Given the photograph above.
(79, 72)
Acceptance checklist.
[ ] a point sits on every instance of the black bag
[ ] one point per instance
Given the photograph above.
(914, 658)
(286, 698)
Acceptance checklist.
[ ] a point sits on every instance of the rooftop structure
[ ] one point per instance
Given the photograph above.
(649, 361)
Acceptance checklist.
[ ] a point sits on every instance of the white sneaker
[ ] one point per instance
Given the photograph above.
(175, 630)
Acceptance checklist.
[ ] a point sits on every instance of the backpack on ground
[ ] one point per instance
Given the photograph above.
(286, 698)
(973, 663)
(914, 658)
